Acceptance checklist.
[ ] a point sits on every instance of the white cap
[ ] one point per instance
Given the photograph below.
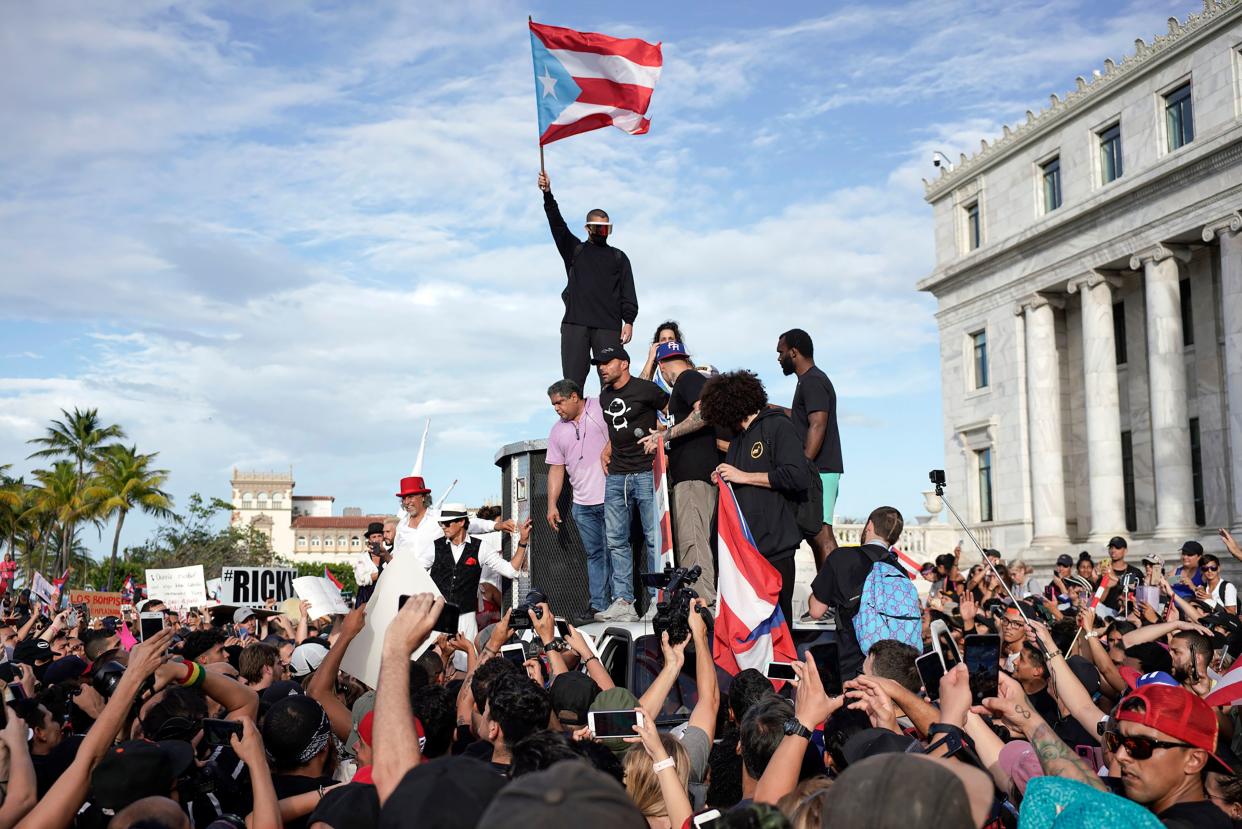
(306, 658)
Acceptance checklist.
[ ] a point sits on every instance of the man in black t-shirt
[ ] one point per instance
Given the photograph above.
(814, 414)
(1123, 579)
(692, 455)
(629, 407)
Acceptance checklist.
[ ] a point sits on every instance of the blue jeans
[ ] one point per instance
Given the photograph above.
(622, 493)
(590, 523)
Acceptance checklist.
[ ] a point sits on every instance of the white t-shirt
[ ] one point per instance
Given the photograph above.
(420, 541)
(1225, 594)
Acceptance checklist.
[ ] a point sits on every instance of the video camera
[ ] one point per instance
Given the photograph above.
(673, 613)
(519, 619)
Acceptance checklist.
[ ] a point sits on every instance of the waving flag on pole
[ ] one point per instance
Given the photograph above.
(327, 574)
(584, 81)
(659, 471)
(750, 628)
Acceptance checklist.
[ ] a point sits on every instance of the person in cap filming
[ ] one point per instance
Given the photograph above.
(600, 301)
(418, 527)
(370, 564)
(458, 561)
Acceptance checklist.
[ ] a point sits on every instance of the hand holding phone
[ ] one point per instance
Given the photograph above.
(217, 732)
(982, 657)
(149, 624)
(781, 671)
(612, 724)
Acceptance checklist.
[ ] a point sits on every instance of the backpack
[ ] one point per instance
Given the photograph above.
(888, 609)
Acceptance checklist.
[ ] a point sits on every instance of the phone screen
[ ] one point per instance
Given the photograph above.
(781, 670)
(514, 653)
(931, 671)
(447, 623)
(982, 659)
(948, 650)
(711, 819)
(562, 628)
(217, 732)
(401, 600)
(829, 665)
(150, 624)
(613, 723)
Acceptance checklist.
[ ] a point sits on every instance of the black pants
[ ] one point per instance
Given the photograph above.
(577, 344)
(788, 569)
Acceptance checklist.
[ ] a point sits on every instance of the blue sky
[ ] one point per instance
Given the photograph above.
(263, 235)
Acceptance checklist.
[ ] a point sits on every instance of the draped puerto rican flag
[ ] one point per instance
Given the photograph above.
(659, 471)
(584, 81)
(327, 574)
(750, 628)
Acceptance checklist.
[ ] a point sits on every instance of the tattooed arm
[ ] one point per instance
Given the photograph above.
(1055, 757)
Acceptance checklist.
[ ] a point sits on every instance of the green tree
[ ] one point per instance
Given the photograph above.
(80, 438)
(344, 573)
(124, 480)
(61, 503)
(196, 538)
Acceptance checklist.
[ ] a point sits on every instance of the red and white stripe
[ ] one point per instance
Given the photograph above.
(911, 567)
(1102, 589)
(659, 470)
(616, 75)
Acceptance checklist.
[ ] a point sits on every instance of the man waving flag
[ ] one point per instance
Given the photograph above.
(584, 81)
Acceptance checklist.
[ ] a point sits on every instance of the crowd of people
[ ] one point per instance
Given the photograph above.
(987, 695)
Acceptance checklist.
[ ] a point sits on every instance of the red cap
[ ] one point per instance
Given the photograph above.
(364, 727)
(412, 486)
(1174, 711)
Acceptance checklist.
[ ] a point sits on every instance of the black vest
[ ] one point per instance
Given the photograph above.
(458, 581)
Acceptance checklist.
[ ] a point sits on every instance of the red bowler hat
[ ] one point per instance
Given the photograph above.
(412, 486)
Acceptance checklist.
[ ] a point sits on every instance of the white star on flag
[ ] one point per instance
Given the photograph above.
(549, 84)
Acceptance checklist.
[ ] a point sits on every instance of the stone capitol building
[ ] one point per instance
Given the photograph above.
(1089, 285)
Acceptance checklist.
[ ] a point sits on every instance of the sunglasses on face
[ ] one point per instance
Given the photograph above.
(1139, 748)
(1210, 568)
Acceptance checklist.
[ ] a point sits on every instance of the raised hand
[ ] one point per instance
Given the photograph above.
(409, 628)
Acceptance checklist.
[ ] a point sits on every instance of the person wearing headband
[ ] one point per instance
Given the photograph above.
(600, 300)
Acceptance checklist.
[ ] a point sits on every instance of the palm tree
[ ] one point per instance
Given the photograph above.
(59, 500)
(81, 438)
(16, 501)
(123, 481)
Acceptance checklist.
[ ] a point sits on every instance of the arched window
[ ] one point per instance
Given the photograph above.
(262, 497)
(355, 541)
(277, 497)
(247, 500)
(301, 541)
(342, 543)
(315, 541)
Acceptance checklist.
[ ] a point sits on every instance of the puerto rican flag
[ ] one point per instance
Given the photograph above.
(908, 565)
(659, 471)
(327, 574)
(127, 587)
(584, 81)
(1228, 689)
(750, 629)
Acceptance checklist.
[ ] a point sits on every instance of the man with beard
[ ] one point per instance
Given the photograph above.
(1191, 652)
(814, 415)
(418, 527)
(600, 301)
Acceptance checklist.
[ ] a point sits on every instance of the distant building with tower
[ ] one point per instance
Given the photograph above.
(300, 527)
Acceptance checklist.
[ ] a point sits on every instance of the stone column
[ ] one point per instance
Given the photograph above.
(1105, 478)
(1229, 231)
(1170, 414)
(1043, 395)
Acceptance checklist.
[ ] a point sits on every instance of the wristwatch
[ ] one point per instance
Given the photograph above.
(558, 644)
(797, 729)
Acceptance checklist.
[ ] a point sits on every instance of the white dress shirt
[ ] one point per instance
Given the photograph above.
(420, 541)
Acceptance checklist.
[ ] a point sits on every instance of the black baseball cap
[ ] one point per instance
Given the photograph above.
(572, 694)
(1192, 548)
(32, 650)
(449, 792)
(1065, 560)
(137, 769)
(609, 353)
(1117, 543)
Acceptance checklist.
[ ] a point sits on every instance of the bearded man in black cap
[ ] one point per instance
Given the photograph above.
(368, 568)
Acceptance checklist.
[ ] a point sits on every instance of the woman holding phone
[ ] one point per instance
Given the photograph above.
(1216, 591)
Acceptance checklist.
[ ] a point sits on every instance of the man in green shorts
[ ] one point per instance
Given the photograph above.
(814, 414)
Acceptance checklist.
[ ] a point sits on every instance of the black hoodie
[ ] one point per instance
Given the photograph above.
(771, 444)
(600, 292)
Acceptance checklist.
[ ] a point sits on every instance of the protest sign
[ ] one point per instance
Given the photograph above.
(41, 588)
(253, 586)
(404, 576)
(177, 587)
(325, 599)
(98, 604)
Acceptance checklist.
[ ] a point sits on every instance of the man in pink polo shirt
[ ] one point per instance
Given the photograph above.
(575, 445)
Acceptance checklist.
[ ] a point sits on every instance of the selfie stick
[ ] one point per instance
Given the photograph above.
(937, 478)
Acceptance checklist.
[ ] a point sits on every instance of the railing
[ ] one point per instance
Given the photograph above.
(922, 542)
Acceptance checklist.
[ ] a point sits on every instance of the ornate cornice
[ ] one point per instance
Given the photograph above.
(1036, 301)
(1112, 76)
(1093, 278)
(1158, 253)
(1230, 224)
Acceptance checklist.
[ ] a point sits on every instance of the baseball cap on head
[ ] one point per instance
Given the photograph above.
(136, 769)
(1065, 560)
(1136, 679)
(306, 658)
(1192, 548)
(1117, 542)
(671, 351)
(1153, 559)
(1172, 710)
(609, 353)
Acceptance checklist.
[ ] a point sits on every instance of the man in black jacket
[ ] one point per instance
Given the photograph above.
(764, 464)
(600, 301)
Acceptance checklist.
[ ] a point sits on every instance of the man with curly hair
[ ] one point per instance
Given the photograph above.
(765, 466)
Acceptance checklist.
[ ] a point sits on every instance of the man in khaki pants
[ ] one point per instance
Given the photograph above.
(692, 455)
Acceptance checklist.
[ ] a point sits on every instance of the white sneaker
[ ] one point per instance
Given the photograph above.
(609, 614)
(625, 613)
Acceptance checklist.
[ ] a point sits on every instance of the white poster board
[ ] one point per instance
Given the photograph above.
(323, 595)
(403, 577)
(42, 589)
(253, 586)
(178, 587)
